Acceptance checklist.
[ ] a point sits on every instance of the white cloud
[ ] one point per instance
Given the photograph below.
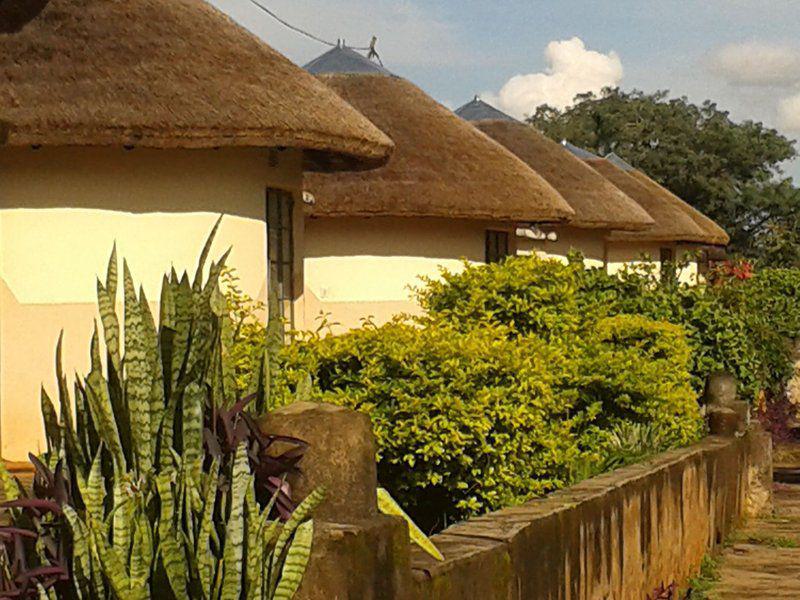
(789, 113)
(571, 70)
(757, 63)
(409, 32)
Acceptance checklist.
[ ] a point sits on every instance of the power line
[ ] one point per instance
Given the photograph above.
(301, 31)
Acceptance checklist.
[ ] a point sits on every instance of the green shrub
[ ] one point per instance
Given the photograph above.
(471, 421)
(740, 326)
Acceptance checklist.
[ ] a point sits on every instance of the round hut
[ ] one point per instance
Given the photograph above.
(599, 206)
(138, 122)
(680, 234)
(448, 193)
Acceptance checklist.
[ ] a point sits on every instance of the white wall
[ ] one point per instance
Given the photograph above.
(364, 267)
(61, 211)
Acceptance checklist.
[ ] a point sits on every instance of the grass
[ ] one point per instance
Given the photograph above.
(701, 585)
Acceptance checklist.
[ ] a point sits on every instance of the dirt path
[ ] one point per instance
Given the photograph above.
(764, 558)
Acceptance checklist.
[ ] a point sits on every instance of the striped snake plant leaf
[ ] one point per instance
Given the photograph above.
(111, 564)
(193, 406)
(70, 437)
(294, 567)
(112, 275)
(201, 263)
(184, 302)
(252, 576)
(205, 557)
(301, 513)
(87, 434)
(82, 566)
(137, 373)
(235, 530)
(389, 506)
(52, 428)
(167, 302)
(156, 372)
(94, 493)
(169, 547)
(141, 559)
(121, 515)
(108, 317)
(103, 416)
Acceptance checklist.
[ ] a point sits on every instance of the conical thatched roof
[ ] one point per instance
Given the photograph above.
(442, 166)
(716, 234)
(164, 74)
(672, 224)
(597, 203)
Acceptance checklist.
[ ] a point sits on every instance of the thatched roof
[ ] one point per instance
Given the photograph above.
(597, 203)
(716, 234)
(672, 224)
(442, 166)
(164, 74)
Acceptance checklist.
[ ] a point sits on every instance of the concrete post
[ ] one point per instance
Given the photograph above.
(727, 415)
(758, 498)
(357, 553)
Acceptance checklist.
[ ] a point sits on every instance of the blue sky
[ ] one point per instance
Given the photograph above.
(744, 54)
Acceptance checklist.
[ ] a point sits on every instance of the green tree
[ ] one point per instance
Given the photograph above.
(730, 171)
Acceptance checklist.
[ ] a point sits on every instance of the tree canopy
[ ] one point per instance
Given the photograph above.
(730, 171)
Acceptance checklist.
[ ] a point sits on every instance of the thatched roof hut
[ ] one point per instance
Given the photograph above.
(442, 166)
(597, 203)
(716, 234)
(164, 74)
(672, 224)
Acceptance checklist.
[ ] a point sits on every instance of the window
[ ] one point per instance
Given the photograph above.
(280, 252)
(496, 246)
(667, 264)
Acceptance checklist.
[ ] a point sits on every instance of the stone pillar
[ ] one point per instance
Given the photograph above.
(758, 497)
(727, 415)
(357, 553)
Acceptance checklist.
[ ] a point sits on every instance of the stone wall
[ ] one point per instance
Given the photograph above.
(617, 536)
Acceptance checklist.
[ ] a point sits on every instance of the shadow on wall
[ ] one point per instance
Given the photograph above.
(15, 14)
(143, 180)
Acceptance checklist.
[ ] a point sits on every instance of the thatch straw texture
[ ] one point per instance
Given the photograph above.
(597, 203)
(672, 224)
(164, 74)
(716, 234)
(441, 167)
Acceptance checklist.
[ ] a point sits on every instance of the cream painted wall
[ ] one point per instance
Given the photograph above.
(591, 242)
(620, 254)
(61, 211)
(357, 268)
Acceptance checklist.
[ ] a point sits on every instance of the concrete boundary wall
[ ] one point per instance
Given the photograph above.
(616, 536)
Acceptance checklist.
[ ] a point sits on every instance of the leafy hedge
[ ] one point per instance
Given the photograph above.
(469, 421)
(744, 326)
(525, 376)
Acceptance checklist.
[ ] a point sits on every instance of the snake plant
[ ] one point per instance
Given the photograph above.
(158, 507)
